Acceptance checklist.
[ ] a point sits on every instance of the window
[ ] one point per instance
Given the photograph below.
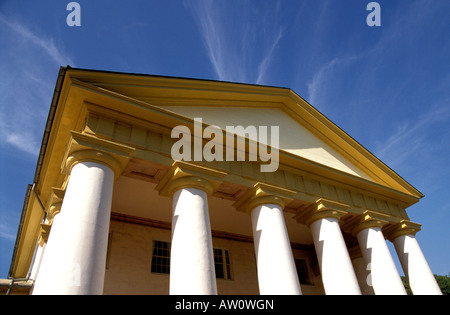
(161, 257)
(222, 263)
(161, 260)
(302, 271)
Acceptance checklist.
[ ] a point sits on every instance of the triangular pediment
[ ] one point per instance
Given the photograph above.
(293, 137)
(304, 132)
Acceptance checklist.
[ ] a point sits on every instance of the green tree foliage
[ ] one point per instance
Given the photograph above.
(443, 282)
(406, 285)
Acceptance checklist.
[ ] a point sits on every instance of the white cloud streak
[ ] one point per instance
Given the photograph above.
(316, 85)
(46, 44)
(265, 63)
(7, 233)
(24, 83)
(23, 141)
(412, 137)
(240, 50)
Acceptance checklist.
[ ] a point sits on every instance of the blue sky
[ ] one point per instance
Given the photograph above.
(387, 86)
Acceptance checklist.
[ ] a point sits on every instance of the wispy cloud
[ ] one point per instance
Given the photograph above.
(23, 141)
(242, 48)
(412, 137)
(25, 84)
(317, 84)
(46, 44)
(265, 63)
(8, 230)
(7, 233)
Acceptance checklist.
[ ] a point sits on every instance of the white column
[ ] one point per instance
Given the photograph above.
(75, 255)
(338, 275)
(363, 275)
(415, 266)
(277, 273)
(276, 269)
(192, 269)
(53, 208)
(383, 272)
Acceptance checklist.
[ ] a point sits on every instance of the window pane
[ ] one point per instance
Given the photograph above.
(161, 257)
(218, 263)
(302, 271)
(228, 264)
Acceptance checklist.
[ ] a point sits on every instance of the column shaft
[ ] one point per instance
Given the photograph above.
(363, 275)
(384, 275)
(276, 267)
(192, 261)
(75, 255)
(338, 276)
(415, 266)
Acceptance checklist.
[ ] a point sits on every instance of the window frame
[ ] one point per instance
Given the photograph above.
(225, 263)
(304, 271)
(157, 266)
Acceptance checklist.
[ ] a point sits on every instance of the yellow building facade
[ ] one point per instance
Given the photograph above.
(112, 212)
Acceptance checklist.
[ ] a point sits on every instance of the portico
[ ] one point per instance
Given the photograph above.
(122, 216)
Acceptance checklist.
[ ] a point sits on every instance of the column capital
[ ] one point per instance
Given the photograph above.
(88, 148)
(53, 207)
(186, 175)
(262, 194)
(368, 219)
(322, 208)
(44, 232)
(54, 203)
(404, 227)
